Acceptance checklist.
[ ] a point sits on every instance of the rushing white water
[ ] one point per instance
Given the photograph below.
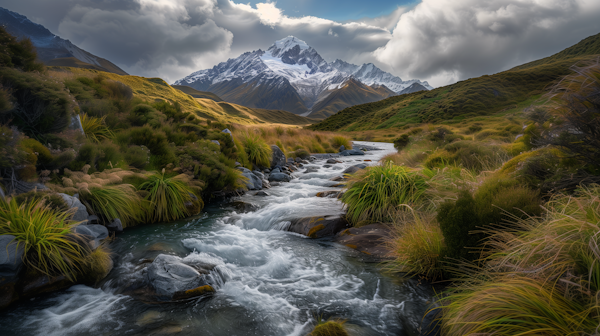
(270, 282)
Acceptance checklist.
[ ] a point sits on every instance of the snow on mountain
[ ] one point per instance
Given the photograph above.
(299, 64)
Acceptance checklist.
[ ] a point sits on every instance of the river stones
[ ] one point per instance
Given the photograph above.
(355, 168)
(318, 227)
(254, 182)
(95, 232)
(243, 207)
(332, 161)
(369, 239)
(329, 193)
(279, 177)
(262, 193)
(10, 258)
(169, 274)
(336, 178)
(81, 213)
(352, 152)
(277, 158)
(115, 225)
(311, 170)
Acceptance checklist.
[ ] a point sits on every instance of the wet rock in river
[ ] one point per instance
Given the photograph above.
(355, 168)
(352, 152)
(311, 170)
(329, 193)
(254, 182)
(318, 227)
(81, 213)
(243, 207)
(279, 177)
(261, 193)
(169, 274)
(369, 239)
(277, 158)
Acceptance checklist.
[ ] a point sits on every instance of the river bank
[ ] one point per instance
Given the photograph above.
(274, 282)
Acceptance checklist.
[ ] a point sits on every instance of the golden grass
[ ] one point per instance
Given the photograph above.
(290, 139)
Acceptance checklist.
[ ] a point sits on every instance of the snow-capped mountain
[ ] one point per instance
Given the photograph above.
(292, 76)
(51, 49)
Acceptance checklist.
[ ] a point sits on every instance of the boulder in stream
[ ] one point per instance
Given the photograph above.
(81, 213)
(254, 182)
(355, 168)
(348, 152)
(279, 177)
(318, 227)
(329, 193)
(169, 274)
(369, 239)
(277, 158)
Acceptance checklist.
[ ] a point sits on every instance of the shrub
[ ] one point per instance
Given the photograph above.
(457, 221)
(375, 192)
(54, 201)
(301, 153)
(96, 265)
(257, 150)
(467, 154)
(167, 196)
(43, 105)
(95, 128)
(44, 235)
(20, 54)
(401, 142)
(418, 248)
(330, 328)
(34, 147)
(111, 202)
(156, 141)
(137, 156)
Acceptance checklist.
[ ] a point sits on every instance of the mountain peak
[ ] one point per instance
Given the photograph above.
(288, 43)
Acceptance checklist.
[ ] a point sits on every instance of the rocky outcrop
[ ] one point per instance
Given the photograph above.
(318, 227)
(278, 158)
(369, 239)
(74, 203)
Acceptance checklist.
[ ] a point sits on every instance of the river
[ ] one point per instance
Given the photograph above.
(273, 282)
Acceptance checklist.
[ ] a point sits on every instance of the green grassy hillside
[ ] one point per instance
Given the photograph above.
(484, 95)
(156, 89)
(197, 94)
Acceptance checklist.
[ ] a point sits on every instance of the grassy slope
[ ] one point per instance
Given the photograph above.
(473, 97)
(352, 93)
(197, 94)
(156, 89)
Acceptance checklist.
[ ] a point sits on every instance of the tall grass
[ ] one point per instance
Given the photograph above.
(116, 201)
(257, 150)
(44, 235)
(374, 193)
(94, 128)
(417, 248)
(339, 140)
(329, 328)
(514, 305)
(167, 196)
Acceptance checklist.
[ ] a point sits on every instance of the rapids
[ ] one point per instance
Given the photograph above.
(269, 281)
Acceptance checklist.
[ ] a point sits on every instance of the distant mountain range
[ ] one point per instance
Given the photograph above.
(51, 49)
(292, 76)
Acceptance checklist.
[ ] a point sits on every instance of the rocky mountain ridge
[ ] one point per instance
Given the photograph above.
(291, 75)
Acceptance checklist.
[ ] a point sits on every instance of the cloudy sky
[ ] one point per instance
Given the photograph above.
(441, 41)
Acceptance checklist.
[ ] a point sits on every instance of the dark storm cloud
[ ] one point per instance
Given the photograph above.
(449, 40)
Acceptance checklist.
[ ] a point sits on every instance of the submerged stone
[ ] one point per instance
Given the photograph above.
(318, 227)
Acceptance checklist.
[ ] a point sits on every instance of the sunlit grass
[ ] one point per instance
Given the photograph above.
(44, 235)
(167, 196)
(94, 128)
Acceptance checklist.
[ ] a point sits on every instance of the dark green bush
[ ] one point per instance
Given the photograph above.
(401, 142)
(19, 54)
(41, 105)
(34, 147)
(467, 154)
(137, 156)
(457, 220)
(161, 153)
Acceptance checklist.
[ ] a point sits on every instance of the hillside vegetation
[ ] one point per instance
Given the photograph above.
(484, 95)
(157, 90)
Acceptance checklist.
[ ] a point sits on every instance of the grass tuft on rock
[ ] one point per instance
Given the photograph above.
(330, 328)
(167, 196)
(115, 201)
(44, 234)
(257, 150)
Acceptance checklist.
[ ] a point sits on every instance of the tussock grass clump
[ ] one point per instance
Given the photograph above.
(257, 150)
(94, 128)
(418, 248)
(97, 264)
(514, 305)
(339, 140)
(44, 235)
(113, 201)
(330, 328)
(374, 193)
(167, 196)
